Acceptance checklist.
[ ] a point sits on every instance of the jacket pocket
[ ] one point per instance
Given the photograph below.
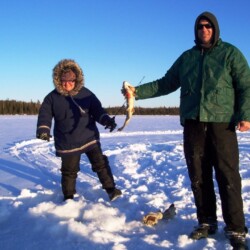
(223, 100)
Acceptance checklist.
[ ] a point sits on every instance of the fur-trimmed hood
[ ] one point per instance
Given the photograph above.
(60, 68)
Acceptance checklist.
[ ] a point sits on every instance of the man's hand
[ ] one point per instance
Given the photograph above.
(44, 136)
(110, 124)
(243, 126)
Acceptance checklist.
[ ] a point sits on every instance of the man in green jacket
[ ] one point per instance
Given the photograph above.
(214, 78)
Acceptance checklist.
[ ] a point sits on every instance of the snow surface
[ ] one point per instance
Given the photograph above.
(149, 167)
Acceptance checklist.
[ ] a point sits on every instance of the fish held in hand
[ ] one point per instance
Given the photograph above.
(129, 92)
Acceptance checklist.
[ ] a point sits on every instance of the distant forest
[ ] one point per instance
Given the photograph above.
(12, 107)
(144, 111)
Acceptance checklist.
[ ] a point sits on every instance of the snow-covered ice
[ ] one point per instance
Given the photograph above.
(149, 167)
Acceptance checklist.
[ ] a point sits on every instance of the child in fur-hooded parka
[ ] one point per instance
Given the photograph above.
(75, 110)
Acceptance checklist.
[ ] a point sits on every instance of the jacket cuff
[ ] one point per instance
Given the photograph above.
(136, 96)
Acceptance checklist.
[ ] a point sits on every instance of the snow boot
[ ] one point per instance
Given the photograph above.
(68, 197)
(203, 230)
(113, 193)
(237, 240)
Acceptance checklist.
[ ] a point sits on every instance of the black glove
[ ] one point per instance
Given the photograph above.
(44, 136)
(110, 124)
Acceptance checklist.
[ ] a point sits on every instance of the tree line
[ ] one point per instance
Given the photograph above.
(144, 111)
(13, 107)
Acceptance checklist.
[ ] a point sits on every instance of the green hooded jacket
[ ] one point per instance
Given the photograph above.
(214, 82)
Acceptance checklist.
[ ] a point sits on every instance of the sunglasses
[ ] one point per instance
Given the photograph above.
(65, 81)
(207, 26)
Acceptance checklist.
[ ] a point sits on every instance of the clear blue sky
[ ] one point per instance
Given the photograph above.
(112, 40)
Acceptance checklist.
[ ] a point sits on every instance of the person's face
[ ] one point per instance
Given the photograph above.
(68, 81)
(205, 31)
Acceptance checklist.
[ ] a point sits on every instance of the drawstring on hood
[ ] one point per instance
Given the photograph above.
(216, 30)
(62, 67)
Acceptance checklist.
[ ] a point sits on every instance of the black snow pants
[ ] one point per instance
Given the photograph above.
(208, 146)
(71, 166)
